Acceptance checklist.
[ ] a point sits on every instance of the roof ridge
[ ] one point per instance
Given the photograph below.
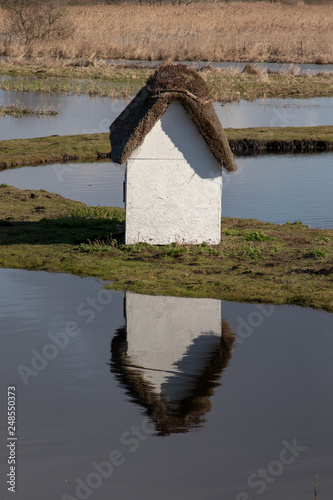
(180, 91)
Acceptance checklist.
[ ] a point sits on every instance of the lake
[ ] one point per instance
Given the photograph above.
(112, 386)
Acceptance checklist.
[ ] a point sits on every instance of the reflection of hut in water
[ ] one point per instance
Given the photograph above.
(170, 357)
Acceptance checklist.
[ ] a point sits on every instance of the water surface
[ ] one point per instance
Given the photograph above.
(84, 114)
(302, 68)
(78, 114)
(271, 188)
(281, 188)
(98, 183)
(270, 390)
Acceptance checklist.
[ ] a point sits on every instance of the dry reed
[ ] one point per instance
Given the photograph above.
(235, 31)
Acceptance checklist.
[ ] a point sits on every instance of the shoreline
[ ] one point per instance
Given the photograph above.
(255, 262)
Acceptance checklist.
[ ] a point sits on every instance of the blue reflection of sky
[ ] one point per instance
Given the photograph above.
(272, 188)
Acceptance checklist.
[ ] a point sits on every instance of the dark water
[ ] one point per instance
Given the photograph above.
(272, 188)
(200, 421)
(84, 114)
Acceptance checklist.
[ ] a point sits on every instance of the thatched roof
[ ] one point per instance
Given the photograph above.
(170, 82)
(191, 410)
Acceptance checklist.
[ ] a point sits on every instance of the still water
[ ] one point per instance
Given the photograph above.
(88, 115)
(283, 67)
(98, 183)
(133, 396)
(271, 188)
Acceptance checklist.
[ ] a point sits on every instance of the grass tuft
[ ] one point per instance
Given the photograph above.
(256, 236)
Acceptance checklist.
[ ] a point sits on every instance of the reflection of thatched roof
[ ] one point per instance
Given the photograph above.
(191, 411)
(170, 82)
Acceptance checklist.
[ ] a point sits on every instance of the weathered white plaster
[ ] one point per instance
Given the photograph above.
(171, 339)
(173, 185)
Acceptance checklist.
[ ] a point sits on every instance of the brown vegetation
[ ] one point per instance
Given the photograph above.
(234, 31)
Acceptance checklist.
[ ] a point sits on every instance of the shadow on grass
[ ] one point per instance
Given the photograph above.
(64, 230)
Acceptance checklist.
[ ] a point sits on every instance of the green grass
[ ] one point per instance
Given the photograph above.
(89, 147)
(291, 264)
(256, 236)
(53, 149)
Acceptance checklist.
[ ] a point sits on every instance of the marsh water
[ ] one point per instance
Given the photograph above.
(239, 66)
(96, 418)
(271, 188)
(88, 115)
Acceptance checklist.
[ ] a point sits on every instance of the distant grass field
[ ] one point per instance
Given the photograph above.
(124, 81)
(223, 31)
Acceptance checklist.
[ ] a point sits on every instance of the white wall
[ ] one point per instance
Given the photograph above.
(170, 339)
(174, 185)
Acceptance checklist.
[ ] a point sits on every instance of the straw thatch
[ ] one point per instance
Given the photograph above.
(191, 410)
(170, 82)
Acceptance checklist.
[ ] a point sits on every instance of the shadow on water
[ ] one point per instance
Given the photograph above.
(169, 358)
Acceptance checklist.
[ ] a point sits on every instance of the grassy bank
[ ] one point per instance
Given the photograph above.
(225, 85)
(223, 31)
(90, 147)
(53, 149)
(255, 262)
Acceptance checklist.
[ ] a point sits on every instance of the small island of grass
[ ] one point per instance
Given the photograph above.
(255, 261)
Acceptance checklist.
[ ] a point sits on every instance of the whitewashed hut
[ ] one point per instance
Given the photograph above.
(170, 357)
(174, 147)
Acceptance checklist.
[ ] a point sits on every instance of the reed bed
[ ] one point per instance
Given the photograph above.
(233, 31)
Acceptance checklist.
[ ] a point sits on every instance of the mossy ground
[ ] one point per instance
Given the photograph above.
(255, 262)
